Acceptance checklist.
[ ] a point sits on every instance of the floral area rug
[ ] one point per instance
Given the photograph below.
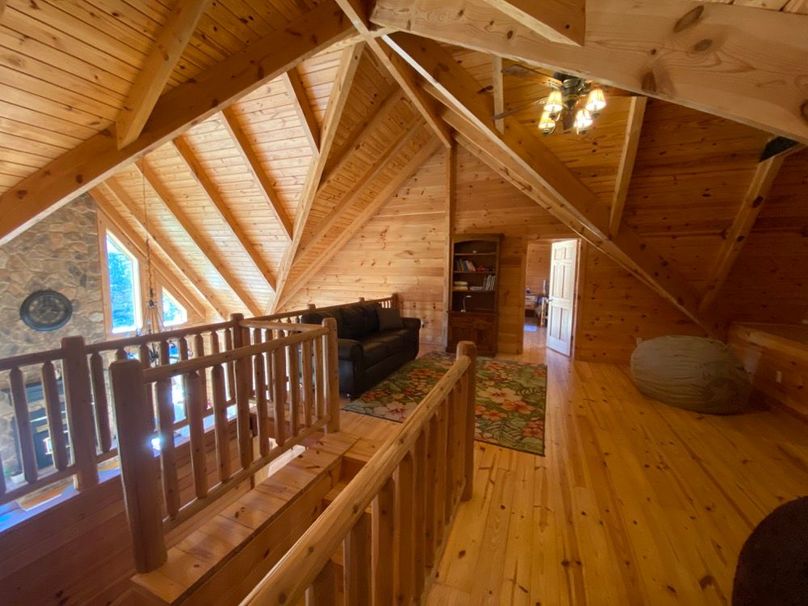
(511, 398)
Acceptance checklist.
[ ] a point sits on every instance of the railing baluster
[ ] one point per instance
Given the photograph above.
(120, 354)
(356, 556)
(431, 542)
(196, 411)
(451, 454)
(76, 377)
(199, 352)
(294, 387)
(279, 394)
(261, 408)
(306, 379)
(243, 382)
(168, 460)
(383, 523)
(332, 375)
(323, 592)
(405, 516)
(231, 366)
(469, 379)
(220, 421)
(319, 378)
(101, 404)
(440, 479)
(419, 526)
(23, 419)
(53, 405)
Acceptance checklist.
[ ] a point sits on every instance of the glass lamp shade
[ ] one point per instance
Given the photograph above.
(554, 104)
(596, 101)
(583, 120)
(546, 123)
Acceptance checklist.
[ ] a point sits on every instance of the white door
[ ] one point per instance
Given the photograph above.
(561, 301)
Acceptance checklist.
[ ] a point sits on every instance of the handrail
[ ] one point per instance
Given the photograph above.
(301, 566)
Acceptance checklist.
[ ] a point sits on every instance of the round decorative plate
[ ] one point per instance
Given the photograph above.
(46, 310)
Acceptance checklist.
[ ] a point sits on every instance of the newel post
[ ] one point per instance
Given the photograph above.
(467, 348)
(243, 391)
(79, 404)
(139, 467)
(395, 302)
(332, 374)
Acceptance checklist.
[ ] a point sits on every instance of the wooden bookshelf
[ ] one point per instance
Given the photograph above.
(473, 287)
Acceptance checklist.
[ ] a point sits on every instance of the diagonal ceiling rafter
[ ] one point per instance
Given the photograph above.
(97, 158)
(471, 114)
(308, 121)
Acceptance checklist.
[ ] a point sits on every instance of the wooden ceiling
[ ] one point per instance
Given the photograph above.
(248, 140)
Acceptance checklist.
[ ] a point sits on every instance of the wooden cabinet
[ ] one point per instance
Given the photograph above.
(473, 292)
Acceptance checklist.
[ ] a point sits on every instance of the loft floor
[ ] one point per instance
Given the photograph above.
(634, 502)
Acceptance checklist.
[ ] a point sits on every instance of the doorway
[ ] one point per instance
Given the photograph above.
(550, 286)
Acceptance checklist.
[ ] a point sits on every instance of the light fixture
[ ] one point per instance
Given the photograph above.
(595, 101)
(554, 104)
(546, 123)
(583, 120)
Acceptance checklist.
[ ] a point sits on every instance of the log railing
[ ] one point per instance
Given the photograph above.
(67, 390)
(412, 486)
(271, 390)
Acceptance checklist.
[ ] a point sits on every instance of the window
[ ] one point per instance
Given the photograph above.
(124, 287)
(173, 312)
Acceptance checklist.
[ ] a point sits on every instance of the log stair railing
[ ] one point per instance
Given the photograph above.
(379, 540)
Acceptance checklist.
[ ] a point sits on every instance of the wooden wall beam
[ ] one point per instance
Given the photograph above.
(201, 241)
(297, 93)
(157, 69)
(449, 226)
(470, 113)
(402, 73)
(262, 180)
(383, 196)
(161, 243)
(678, 50)
(636, 113)
(562, 21)
(736, 237)
(112, 220)
(336, 215)
(92, 161)
(337, 101)
(216, 198)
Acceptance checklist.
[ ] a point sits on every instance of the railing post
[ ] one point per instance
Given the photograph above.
(78, 401)
(311, 307)
(467, 348)
(395, 303)
(243, 391)
(332, 373)
(138, 465)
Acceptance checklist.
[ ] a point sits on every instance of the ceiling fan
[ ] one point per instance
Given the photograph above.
(573, 102)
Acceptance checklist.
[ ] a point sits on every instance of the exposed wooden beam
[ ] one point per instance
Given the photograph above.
(81, 168)
(297, 93)
(470, 112)
(162, 244)
(402, 73)
(562, 21)
(683, 51)
(201, 241)
(157, 69)
(449, 226)
(216, 198)
(123, 230)
(736, 237)
(381, 163)
(499, 91)
(382, 197)
(263, 182)
(636, 113)
(349, 64)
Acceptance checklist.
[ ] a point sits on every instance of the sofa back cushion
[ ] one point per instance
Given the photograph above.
(355, 321)
(389, 319)
(317, 317)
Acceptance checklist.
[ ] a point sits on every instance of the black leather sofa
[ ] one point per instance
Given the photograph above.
(367, 353)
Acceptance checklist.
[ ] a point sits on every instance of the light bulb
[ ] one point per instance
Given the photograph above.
(583, 120)
(546, 123)
(554, 103)
(596, 101)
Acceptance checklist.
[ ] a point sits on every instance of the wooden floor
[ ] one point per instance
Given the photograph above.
(634, 503)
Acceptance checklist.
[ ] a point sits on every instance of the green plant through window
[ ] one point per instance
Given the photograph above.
(173, 311)
(124, 287)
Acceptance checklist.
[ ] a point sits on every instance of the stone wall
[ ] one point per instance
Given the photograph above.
(59, 253)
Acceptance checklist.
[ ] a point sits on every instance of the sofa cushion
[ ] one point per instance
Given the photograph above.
(389, 319)
(348, 349)
(371, 311)
(353, 322)
(375, 350)
(317, 317)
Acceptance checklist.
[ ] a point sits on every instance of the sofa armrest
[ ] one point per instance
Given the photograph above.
(349, 349)
(411, 323)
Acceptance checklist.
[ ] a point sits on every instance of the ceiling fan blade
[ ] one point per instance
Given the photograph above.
(516, 109)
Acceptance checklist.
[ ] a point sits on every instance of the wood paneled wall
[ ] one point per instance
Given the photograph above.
(537, 265)
(401, 249)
